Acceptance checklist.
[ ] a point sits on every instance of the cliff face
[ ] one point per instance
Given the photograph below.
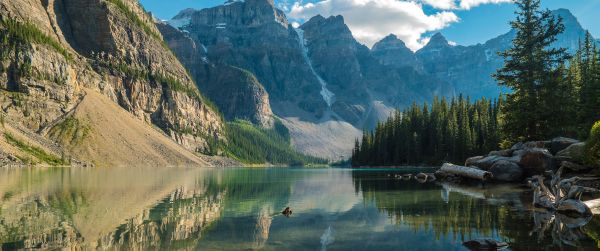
(54, 51)
(255, 36)
(236, 92)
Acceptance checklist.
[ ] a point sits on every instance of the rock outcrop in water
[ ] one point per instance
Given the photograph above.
(56, 51)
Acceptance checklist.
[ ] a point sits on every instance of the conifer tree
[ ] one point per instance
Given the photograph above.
(530, 68)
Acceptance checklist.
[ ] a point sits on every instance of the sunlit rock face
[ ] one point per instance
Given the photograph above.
(99, 45)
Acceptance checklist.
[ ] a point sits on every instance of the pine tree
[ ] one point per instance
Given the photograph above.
(530, 66)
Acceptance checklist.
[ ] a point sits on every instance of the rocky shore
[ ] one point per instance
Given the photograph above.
(527, 159)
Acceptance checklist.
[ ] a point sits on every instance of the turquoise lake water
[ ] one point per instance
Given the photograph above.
(240, 209)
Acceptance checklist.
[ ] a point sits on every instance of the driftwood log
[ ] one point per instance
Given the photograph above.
(564, 195)
(467, 172)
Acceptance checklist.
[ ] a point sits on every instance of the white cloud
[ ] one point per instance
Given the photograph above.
(441, 4)
(468, 4)
(371, 20)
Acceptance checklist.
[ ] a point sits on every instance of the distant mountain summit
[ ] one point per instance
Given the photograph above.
(436, 41)
(393, 51)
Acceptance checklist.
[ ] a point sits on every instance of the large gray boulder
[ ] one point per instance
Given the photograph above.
(502, 153)
(574, 153)
(487, 162)
(560, 143)
(471, 161)
(535, 161)
(518, 146)
(504, 170)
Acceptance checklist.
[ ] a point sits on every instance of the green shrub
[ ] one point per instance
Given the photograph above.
(593, 145)
(37, 152)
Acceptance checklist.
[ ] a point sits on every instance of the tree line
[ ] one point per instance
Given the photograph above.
(553, 94)
(446, 130)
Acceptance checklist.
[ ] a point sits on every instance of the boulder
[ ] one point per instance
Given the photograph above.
(560, 143)
(535, 161)
(502, 153)
(537, 144)
(487, 162)
(574, 153)
(472, 160)
(517, 146)
(574, 166)
(504, 170)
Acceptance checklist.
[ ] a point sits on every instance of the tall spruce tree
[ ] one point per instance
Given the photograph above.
(530, 69)
(588, 68)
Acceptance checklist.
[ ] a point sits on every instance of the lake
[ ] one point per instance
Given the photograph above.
(240, 209)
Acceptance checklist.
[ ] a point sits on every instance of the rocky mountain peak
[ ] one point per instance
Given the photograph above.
(319, 20)
(437, 40)
(333, 26)
(567, 16)
(238, 13)
(390, 42)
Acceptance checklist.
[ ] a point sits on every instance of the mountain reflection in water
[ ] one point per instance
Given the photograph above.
(237, 209)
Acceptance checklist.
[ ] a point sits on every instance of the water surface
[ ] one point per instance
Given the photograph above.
(239, 209)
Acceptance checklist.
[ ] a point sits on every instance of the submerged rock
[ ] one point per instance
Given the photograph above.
(485, 244)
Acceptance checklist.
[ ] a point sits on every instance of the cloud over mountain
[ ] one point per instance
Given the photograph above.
(371, 20)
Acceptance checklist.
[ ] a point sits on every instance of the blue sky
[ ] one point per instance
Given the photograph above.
(467, 22)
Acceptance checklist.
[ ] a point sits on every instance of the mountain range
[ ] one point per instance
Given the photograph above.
(102, 82)
(320, 81)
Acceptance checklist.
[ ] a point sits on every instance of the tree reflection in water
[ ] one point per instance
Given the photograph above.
(469, 212)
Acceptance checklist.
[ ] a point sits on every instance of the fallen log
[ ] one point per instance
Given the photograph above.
(467, 172)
